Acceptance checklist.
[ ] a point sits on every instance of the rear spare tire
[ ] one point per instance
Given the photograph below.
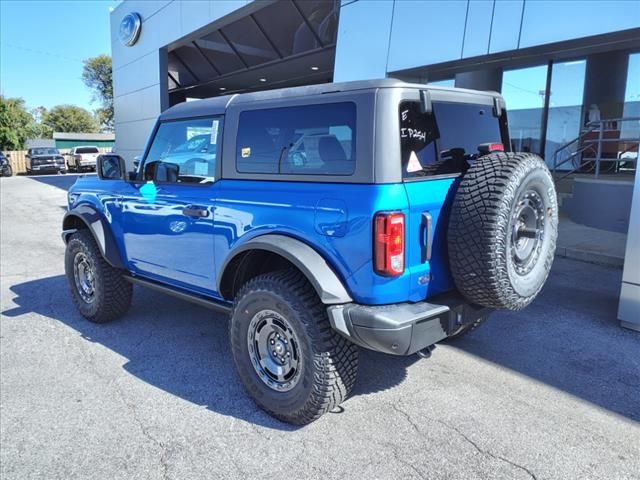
(503, 230)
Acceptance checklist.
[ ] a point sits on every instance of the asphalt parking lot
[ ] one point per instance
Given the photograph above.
(552, 392)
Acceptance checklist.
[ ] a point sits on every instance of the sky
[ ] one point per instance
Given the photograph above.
(43, 44)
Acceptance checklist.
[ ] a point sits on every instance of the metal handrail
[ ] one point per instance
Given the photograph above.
(598, 126)
(567, 145)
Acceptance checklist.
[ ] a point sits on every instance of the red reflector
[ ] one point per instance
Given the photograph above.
(496, 147)
(388, 244)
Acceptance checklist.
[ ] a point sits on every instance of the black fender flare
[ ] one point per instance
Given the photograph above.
(324, 280)
(99, 227)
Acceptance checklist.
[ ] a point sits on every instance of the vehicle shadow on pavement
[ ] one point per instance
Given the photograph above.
(64, 182)
(569, 338)
(181, 348)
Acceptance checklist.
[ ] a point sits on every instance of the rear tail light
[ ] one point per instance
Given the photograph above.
(487, 148)
(388, 243)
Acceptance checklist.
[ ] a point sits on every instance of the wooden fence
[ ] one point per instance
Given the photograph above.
(18, 158)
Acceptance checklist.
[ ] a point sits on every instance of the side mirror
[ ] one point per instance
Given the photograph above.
(167, 172)
(136, 161)
(111, 167)
(161, 172)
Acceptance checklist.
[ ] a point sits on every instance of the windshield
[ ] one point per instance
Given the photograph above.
(87, 150)
(44, 151)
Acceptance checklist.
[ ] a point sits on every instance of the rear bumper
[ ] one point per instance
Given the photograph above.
(404, 328)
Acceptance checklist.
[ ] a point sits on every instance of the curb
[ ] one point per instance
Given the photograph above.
(590, 257)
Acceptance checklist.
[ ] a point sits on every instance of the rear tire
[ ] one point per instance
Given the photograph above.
(289, 359)
(99, 291)
(503, 229)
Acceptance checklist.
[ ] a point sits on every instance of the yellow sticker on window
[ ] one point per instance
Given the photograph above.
(246, 152)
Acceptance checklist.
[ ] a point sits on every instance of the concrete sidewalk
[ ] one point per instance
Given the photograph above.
(588, 244)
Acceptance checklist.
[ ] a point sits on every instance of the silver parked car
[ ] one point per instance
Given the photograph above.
(83, 158)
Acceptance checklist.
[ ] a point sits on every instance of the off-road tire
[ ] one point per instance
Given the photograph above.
(484, 219)
(329, 362)
(113, 293)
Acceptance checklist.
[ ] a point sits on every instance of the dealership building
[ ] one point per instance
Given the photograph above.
(569, 71)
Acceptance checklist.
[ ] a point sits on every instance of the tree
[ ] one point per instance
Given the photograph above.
(40, 129)
(69, 118)
(97, 75)
(16, 124)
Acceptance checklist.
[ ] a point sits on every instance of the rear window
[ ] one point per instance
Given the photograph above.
(87, 150)
(304, 140)
(446, 141)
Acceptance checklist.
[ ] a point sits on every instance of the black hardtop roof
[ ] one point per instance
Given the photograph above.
(218, 105)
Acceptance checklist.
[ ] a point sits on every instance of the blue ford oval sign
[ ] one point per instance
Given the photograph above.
(130, 29)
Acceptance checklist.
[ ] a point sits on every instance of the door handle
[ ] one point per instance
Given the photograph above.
(425, 237)
(193, 211)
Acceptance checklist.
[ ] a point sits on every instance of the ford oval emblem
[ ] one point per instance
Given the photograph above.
(130, 27)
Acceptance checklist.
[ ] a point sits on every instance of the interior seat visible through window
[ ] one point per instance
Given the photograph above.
(333, 155)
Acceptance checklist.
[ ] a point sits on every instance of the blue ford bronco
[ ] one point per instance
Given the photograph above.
(374, 214)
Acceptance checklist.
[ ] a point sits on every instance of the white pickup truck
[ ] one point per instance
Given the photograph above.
(82, 158)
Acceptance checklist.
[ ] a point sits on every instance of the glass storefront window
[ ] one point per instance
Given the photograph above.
(449, 82)
(632, 101)
(565, 106)
(524, 91)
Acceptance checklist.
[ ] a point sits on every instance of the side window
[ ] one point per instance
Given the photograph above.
(305, 140)
(184, 151)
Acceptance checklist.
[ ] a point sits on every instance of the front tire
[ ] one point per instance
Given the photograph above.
(289, 359)
(99, 291)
